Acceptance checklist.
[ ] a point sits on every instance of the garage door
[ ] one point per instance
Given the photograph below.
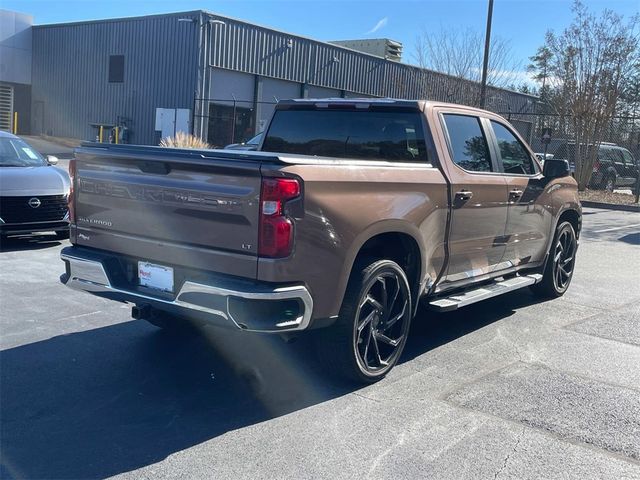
(6, 107)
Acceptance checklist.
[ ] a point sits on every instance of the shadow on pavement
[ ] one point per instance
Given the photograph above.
(631, 238)
(104, 401)
(28, 242)
(430, 330)
(110, 400)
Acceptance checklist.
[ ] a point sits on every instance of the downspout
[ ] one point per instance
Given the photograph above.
(197, 112)
(205, 69)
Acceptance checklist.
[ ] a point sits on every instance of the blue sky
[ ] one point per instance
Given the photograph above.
(523, 22)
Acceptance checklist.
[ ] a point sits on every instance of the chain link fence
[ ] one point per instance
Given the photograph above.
(615, 173)
(230, 121)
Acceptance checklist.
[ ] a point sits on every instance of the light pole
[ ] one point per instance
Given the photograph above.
(485, 61)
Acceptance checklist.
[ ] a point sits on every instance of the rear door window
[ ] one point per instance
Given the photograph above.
(609, 155)
(469, 148)
(513, 155)
(628, 158)
(389, 135)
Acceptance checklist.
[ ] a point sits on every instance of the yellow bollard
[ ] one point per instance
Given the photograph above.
(116, 134)
(15, 123)
(100, 135)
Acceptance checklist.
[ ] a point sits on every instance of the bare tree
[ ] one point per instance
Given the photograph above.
(587, 67)
(629, 101)
(459, 53)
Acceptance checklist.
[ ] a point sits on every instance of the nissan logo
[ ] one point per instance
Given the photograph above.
(34, 202)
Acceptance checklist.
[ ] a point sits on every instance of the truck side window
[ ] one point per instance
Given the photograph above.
(515, 158)
(468, 145)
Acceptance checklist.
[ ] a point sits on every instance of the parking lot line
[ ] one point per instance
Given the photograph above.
(617, 228)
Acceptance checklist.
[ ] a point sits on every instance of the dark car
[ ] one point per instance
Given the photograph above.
(33, 194)
(615, 167)
(251, 144)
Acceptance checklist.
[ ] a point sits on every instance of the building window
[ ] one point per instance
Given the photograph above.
(116, 68)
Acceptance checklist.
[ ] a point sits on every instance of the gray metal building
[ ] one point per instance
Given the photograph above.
(216, 76)
(15, 71)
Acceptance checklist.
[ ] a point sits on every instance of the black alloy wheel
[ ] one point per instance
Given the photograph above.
(560, 264)
(382, 318)
(610, 184)
(367, 339)
(564, 256)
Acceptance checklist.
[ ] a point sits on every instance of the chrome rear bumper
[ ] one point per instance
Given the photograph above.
(89, 275)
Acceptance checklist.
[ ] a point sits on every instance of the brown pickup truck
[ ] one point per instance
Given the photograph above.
(352, 212)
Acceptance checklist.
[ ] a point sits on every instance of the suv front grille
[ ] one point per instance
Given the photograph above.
(52, 208)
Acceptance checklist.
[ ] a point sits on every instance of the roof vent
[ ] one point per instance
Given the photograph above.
(380, 47)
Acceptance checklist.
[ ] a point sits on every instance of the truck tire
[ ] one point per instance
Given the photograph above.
(559, 268)
(366, 341)
(610, 183)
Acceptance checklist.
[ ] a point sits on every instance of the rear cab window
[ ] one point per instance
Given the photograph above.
(468, 144)
(385, 134)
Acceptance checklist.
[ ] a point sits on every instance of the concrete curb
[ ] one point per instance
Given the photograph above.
(611, 206)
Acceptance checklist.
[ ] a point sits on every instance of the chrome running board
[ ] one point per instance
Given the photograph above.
(455, 301)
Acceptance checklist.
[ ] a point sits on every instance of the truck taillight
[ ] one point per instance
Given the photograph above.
(276, 229)
(71, 200)
(596, 166)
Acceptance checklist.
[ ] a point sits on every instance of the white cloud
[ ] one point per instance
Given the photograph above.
(381, 23)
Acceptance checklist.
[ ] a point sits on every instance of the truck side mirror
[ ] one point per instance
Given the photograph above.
(52, 160)
(555, 168)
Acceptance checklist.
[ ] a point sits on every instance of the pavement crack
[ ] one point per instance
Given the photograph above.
(510, 454)
(376, 462)
(514, 344)
(365, 397)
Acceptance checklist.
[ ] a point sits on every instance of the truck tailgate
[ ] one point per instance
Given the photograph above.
(195, 209)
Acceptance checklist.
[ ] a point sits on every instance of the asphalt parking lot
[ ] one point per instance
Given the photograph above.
(509, 388)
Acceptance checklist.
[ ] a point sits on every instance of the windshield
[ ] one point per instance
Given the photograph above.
(16, 153)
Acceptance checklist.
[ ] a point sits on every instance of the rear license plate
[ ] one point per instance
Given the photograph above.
(155, 276)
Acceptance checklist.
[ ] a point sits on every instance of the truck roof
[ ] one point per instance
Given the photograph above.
(391, 102)
(377, 102)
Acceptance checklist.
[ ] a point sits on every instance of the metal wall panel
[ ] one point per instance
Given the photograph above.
(227, 84)
(273, 90)
(236, 45)
(322, 92)
(163, 70)
(70, 73)
(253, 49)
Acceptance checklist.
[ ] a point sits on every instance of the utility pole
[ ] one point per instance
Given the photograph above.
(485, 61)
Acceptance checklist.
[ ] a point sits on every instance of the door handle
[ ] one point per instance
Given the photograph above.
(515, 193)
(464, 195)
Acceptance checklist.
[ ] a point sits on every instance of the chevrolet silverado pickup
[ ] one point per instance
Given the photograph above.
(351, 212)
